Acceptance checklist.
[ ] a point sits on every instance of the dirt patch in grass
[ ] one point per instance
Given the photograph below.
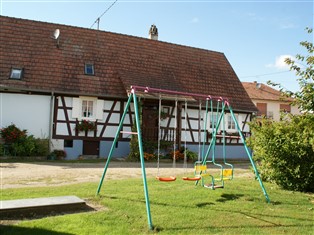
(38, 174)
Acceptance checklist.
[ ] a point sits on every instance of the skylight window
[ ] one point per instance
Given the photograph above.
(16, 73)
(89, 69)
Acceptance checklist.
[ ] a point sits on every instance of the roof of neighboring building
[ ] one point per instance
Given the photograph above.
(119, 60)
(259, 91)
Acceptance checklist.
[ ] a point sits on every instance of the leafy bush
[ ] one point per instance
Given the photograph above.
(57, 155)
(12, 134)
(149, 156)
(1, 149)
(284, 151)
(17, 143)
(190, 155)
(134, 154)
(178, 155)
(42, 147)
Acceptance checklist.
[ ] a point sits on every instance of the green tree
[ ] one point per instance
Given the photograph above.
(303, 66)
(284, 151)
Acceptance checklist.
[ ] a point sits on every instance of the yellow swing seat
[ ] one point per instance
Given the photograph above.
(227, 174)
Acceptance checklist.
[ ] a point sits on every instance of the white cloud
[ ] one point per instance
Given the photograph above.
(254, 17)
(287, 26)
(195, 20)
(280, 62)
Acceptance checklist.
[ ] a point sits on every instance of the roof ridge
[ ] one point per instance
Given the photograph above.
(119, 61)
(114, 33)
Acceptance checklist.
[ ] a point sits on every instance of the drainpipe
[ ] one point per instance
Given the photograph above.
(52, 104)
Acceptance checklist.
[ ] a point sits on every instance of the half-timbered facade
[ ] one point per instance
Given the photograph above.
(73, 89)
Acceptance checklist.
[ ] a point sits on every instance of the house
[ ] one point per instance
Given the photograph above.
(70, 85)
(269, 101)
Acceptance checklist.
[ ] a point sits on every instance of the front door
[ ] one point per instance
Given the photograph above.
(150, 124)
(90, 147)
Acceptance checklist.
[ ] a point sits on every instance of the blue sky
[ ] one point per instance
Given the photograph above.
(255, 35)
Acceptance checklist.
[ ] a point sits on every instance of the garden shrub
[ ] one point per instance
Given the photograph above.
(12, 134)
(134, 154)
(284, 151)
(18, 143)
(149, 156)
(57, 154)
(190, 155)
(1, 149)
(41, 147)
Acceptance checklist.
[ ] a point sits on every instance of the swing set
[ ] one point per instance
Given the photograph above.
(200, 170)
(201, 166)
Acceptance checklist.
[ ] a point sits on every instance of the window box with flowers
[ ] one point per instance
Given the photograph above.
(85, 125)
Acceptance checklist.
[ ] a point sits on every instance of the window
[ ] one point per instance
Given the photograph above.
(68, 143)
(262, 109)
(16, 73)
(286, 108)
(166, 110)
(89, 69)
(230, 123)
(87, 108)
(213, 122)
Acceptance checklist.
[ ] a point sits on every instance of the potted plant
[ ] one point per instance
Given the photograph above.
(85, 125)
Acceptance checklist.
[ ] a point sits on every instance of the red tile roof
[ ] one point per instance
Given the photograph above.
(259, 91)
(119, 60)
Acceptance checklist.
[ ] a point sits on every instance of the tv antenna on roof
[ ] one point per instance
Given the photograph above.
(56, 35)
(98, 19)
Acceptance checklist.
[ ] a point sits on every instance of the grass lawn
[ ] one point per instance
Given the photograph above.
(176, 208)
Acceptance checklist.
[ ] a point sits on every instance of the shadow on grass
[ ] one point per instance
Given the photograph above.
(268, 223)
(258, 216)
(16, 230)
(204, 204)
(229, 197)
(266, 219)
(43, 212)
(241, 227)
(153, 202)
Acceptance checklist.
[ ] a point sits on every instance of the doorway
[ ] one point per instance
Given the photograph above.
(90, 147)
(150, 123)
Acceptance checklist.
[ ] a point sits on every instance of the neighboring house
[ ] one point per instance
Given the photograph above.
(269, 101)
(54, 76)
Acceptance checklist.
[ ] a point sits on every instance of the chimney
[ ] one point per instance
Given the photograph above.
(153, 32)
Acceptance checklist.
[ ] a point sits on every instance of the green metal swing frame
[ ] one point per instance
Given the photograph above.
(133, 97)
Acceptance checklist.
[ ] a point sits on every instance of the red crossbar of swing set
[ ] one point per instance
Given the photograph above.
(164, 91)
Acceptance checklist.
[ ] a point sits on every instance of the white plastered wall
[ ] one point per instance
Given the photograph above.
(30, 112)
(274, 107)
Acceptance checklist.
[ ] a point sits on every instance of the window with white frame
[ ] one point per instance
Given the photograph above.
(89, 69)
(87, 108)
(16, 73)
(230, 123)
(211, 120)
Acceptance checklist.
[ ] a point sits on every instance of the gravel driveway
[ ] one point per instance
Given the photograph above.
(17, 175)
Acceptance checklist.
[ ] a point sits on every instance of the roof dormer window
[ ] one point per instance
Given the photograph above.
(89, 69)
(16, 73)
